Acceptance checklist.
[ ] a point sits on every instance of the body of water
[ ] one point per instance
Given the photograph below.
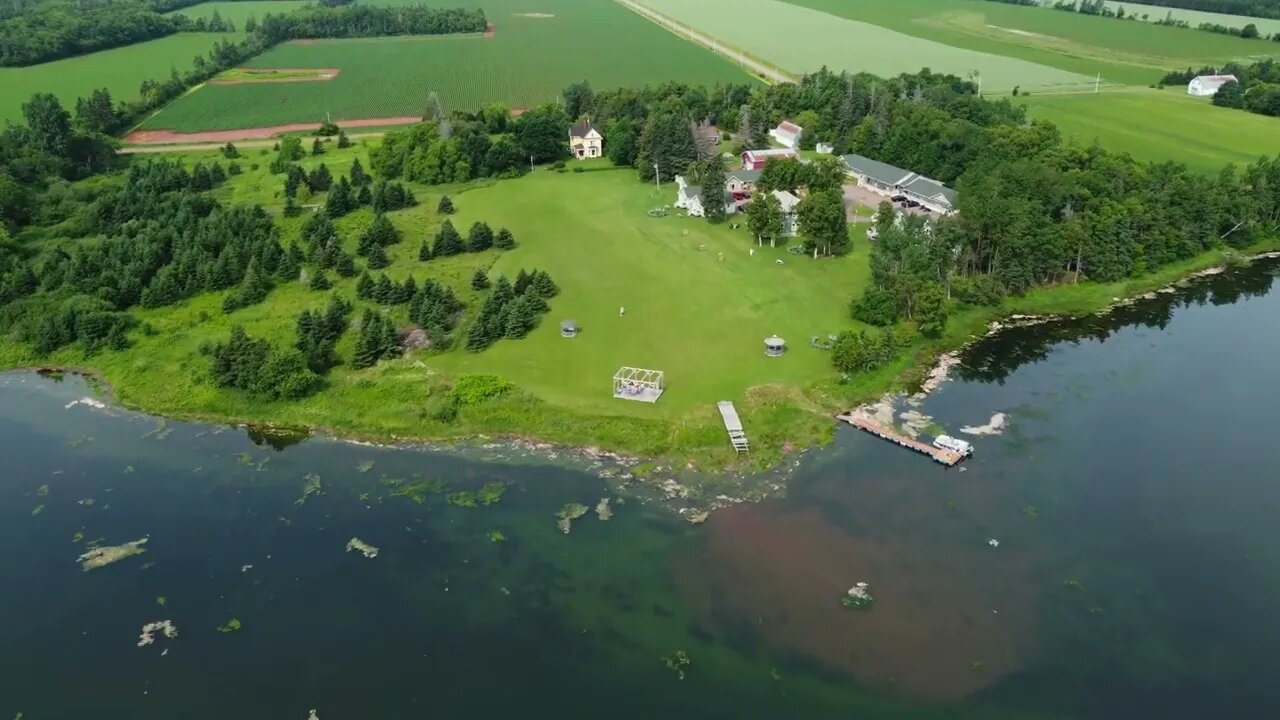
(1112, 554)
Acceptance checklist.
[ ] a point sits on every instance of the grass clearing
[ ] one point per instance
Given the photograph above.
(120, 70)
(529, 61)
(803, 39)
(1160, 125)
(237, 11)
(1130, 53)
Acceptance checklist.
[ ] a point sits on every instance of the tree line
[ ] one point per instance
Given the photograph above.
(511, 310)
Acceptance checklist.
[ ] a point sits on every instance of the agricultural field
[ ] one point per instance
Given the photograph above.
(539, 47)
(120, 70)
(1127, 53)
(1159, 125)
(238, 12)
(1266, 26)
(802, 39)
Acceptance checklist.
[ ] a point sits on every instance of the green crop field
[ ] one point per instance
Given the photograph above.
(530, 60)
(120, 70)
(1161, 125)
(1122, 52)
(238, 12)
(802, 40)
(1266, 26)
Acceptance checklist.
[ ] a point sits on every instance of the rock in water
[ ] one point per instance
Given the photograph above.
(569, 513)
(100, 556)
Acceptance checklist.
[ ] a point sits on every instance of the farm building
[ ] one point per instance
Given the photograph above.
(742, 180)
(787, 134)
(755, 159)
(788, 202)
(1207, 85)
(888, 180)
(706, 136)
(585, 141)
(689, 199)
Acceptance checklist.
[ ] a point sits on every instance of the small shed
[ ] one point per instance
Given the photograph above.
(568, 328)
(774, 346)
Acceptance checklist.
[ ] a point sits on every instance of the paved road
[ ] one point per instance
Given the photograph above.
(684, 31)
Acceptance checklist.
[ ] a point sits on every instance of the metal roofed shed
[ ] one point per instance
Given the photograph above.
(775, 346)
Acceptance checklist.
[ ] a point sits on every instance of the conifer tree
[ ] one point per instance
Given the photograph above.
(366, 351)
(480, 238)
(505, 240)
(319, 281)
(523, 280)
(364, 287)
(320, 179)
(446, 206)
(340, 202)
(480, 280)
(448, 241)
(424, 252)
(359, 178)
(364, 196)
(346, 267)
(543, 285)
(317, 148)
(520, 318)
(377, 257)
(343, 141)
(384, 292)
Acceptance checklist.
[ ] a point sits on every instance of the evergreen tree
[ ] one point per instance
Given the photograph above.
(345, 266)
(377, 257)
(365, 287)
(424, 252)
(448, 241)
(364, 196)
(519, 318)
(359, 178)
(366, 351)
(384, 293)
(317, 147)
(543, 286)
(523, 279)
(320, 180)
(505, 240)
(480, 238)
(340, 202)
(319, 281)
(446, 206)
(479, 281)
(713, 190)
(343, 140)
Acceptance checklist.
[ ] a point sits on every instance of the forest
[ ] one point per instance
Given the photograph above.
(1258, 89)
(1254, 8)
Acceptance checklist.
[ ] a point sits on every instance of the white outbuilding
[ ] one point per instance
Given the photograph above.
(1207, 85)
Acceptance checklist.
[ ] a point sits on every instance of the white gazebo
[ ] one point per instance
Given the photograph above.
(568, 328)
(631, 383)
(774, 346)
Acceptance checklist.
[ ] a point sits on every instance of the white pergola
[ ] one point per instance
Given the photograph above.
(631, 383)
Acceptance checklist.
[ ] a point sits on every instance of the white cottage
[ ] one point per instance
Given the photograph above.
(689, 199)
(585, 141)
(787, 134)
(788, 203)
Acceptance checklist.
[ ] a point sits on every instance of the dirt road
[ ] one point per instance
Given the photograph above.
(756, 66)
(201, 147)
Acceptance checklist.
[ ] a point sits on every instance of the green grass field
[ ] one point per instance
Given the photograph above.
(1161, 125)
(801, 39)
(120, 70)
(530, 60)
(238, 12)
(1266, 26)
(1129, 53)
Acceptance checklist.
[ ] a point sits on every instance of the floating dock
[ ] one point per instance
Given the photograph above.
(733, 425)
(946, 457)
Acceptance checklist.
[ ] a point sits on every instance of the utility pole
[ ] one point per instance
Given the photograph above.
(1097, 84)
(657, 178)
(530, 163)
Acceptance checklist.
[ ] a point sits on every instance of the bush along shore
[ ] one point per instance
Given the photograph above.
(306, 291)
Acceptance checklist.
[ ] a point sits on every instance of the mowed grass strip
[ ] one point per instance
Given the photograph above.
(1123, 52)
(120, 70)
(529, 61)
(801, 40)
(1161, 125)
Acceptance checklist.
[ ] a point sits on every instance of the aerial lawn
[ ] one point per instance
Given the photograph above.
(802, 39)
(1161, 125)
(120, 70)
(1122, 52)
(539, 47)
(699, 303)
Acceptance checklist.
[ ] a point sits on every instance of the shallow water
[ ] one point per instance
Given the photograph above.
(1132, 497)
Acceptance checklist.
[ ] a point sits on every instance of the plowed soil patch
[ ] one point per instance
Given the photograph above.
(166, 137)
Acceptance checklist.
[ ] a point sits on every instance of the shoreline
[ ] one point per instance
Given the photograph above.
(685, 481)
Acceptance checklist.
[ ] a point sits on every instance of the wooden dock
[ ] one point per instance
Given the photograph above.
(733, 425)
(946, 457)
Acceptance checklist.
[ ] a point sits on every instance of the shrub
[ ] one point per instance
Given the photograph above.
(980, 290)
(475, 389)
(442, 408)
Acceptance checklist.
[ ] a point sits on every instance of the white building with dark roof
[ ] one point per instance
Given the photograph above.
(585, 141)
(888, 180)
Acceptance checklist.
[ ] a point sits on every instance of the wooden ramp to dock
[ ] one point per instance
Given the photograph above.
(733, 424)
(946, 457)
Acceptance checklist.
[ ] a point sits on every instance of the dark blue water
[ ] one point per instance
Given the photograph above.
(1132, 497)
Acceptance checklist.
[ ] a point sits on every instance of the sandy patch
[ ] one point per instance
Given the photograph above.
(535, 15)
(165, 137)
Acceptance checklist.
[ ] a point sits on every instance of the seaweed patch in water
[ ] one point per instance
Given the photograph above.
(488, 494)
(365, 466)
(229, 626)
(42, 491)
(677, 662)
(37, 510)
(569, 513)
(102, 556)
(368, 550)
(311, 488)
(417, 490)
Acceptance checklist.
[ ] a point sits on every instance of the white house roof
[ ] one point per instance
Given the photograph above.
(786, 200)
(786, 127)
(1215, 79)
(754, 155)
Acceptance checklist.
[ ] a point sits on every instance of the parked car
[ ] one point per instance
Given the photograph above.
(898, 198)
(911, 204)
